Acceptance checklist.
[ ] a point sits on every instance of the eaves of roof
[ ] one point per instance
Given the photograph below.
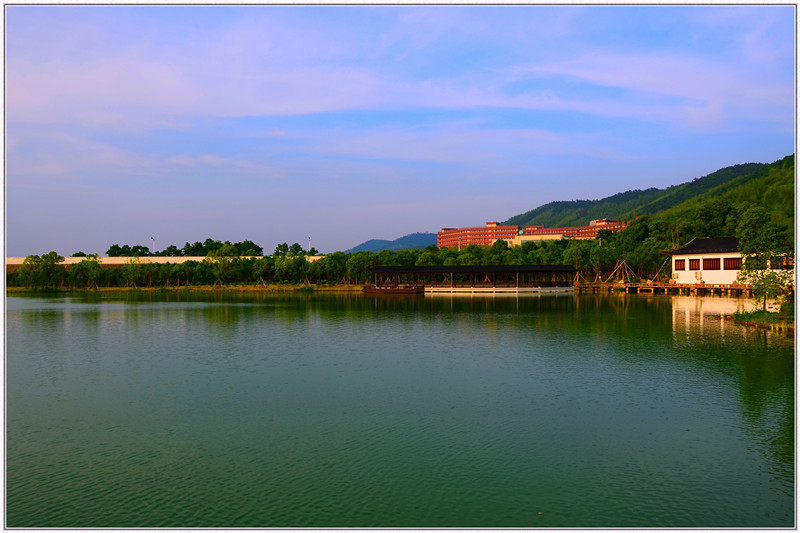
(706, 246)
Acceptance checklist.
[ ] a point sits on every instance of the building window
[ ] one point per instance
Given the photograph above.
(680, 264)
(732, 263)
(711, 264)
(694, 264)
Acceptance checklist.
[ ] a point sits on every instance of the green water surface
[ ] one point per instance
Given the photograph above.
(220, 410)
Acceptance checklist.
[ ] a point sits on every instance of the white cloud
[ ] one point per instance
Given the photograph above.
(465, 145)
(265, 66)
(708, 92)
(224, 163)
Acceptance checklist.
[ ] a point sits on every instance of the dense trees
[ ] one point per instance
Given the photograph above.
(41, 271)
(220, 260)
(640, 246)
(294, 249)
(626, 205)
(767, 252)
(198, 249)
(86, 273)
(128, 251)
(757, 207)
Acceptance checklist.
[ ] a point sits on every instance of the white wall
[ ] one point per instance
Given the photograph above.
(710, 277)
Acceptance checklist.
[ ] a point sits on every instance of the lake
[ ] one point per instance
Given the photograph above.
(345, 410)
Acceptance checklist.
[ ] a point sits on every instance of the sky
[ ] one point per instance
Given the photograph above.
(158, 125)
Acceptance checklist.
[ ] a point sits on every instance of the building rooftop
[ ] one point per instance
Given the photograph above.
(710, 245)
(467, 269)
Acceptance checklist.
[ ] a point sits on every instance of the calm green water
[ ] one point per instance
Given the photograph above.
(142, 410)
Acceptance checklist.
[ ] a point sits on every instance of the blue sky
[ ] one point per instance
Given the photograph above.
(343, 124)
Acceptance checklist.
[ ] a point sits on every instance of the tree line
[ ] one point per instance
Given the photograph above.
(766, 235)
(639, 245)
(201, 249)
(197, 249)
(220, 267)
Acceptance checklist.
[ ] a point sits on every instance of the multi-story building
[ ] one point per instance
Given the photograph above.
(480, 235)
(540, 233)
(485, 236)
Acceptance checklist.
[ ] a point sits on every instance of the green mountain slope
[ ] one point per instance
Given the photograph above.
(630, 204)
(413, 240)
(771, 187)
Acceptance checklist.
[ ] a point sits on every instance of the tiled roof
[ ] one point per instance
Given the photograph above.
(468, 269)
(705, 246)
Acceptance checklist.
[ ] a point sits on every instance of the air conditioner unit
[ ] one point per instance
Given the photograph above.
(698, 275)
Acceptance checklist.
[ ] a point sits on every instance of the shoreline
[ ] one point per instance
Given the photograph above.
(781, 326)
(197, 288)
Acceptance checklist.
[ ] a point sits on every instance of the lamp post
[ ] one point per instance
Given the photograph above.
(154, 244)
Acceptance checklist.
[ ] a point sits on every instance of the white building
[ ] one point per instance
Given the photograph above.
(713, 261)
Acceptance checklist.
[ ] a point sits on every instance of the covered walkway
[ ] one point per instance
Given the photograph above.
(475, 278)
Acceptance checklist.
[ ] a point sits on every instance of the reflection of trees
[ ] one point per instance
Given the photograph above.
(762, 361)
(760, 364)
(763, 364)
(766, 390)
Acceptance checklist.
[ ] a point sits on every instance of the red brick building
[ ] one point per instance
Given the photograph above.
(579, 232)
(485, 236)
(480, 235)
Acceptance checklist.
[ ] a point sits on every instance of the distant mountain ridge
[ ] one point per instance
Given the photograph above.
(412, 240)
(630, 204)
(769, 185)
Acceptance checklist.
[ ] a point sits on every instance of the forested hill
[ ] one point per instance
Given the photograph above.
(414, 240)
(716, 211)
(630, 204)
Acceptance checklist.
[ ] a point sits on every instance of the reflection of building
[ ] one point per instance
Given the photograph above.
(485, 236)
(714, 261)
(701, 315)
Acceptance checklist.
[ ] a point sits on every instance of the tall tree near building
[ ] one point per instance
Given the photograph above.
(220, 260)
(87, 272)
(39, 271)
(766, 250)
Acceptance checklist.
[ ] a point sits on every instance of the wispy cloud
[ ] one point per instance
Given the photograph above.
(464, 146)
(264, 68)
(331, 103)
(223, 163)
(709, 92)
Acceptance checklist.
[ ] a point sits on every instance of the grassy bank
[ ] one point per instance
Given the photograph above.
(766, 319)
(201, 288)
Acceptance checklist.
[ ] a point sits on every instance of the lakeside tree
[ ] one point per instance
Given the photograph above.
(132, 272)
(291, 268)
(766, 252)
(170, 251)
(139, 250)
(220, 260)
(87, 272)
(262, 269)
(197, 249)
(249, 248)
(41, 271)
